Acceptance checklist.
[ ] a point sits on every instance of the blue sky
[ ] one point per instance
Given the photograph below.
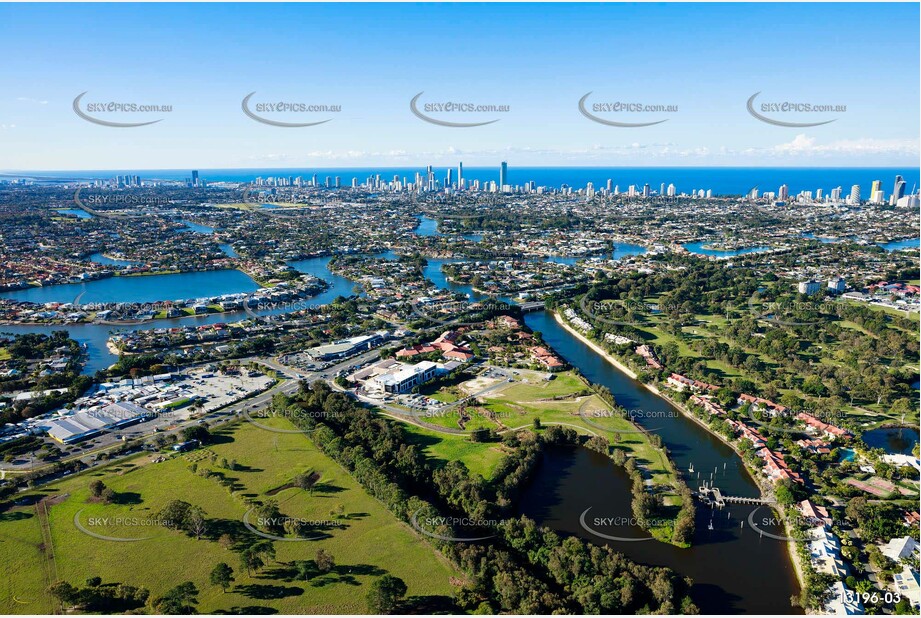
(538, 59)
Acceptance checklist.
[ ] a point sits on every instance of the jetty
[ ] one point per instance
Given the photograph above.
(712, 496)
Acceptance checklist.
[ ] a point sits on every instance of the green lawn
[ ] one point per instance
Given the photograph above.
(451, 419)
(480, 458)
(560, 401)
(372, 542)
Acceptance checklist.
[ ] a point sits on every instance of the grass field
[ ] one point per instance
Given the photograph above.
(480, 458)
(914, 315)
(370, 543)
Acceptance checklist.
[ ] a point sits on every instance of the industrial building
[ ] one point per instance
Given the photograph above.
(347, 347)
(83, 425)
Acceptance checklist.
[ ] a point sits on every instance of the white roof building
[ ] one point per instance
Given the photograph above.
(899, 548)
(907, 584)
(82, 425)
(843, 602)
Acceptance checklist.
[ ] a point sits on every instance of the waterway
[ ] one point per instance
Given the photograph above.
(429, 227)
(893, 440)
(77, 212)
(197, 228)
(897, 245)
(140, 288)
(101, 259)
(735, 569)
(699, 249)
(150, 288)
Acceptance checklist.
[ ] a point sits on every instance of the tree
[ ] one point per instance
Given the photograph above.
(225, 541)
(174, 514)
(325, 561)
(195, 522)
(64, 592)
(385, 594)
(250, 560)
(196, 432)
(307, 481)
(305, 570)
(96, 488)
(222, 575)
(784, 492)
(269, 517)
(903, 607)
(180, 600)
(180, 515)
(265, 549)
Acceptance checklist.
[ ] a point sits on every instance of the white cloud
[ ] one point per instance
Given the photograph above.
(31, 100)
(801, 149)
(803, 145)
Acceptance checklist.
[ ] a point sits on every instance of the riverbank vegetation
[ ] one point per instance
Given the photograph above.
(532, 401)
(522, 569)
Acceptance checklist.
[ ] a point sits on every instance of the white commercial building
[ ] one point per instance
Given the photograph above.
(406, 377)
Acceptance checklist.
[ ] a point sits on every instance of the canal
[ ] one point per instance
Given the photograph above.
(735, 569)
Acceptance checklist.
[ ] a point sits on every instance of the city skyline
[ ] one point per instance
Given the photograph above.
(354, 65)
(434, 181)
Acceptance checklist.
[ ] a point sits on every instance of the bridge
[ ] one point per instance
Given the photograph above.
(532, 306)
(712, 496)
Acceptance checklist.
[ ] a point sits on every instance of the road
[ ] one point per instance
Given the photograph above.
(289, 384)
